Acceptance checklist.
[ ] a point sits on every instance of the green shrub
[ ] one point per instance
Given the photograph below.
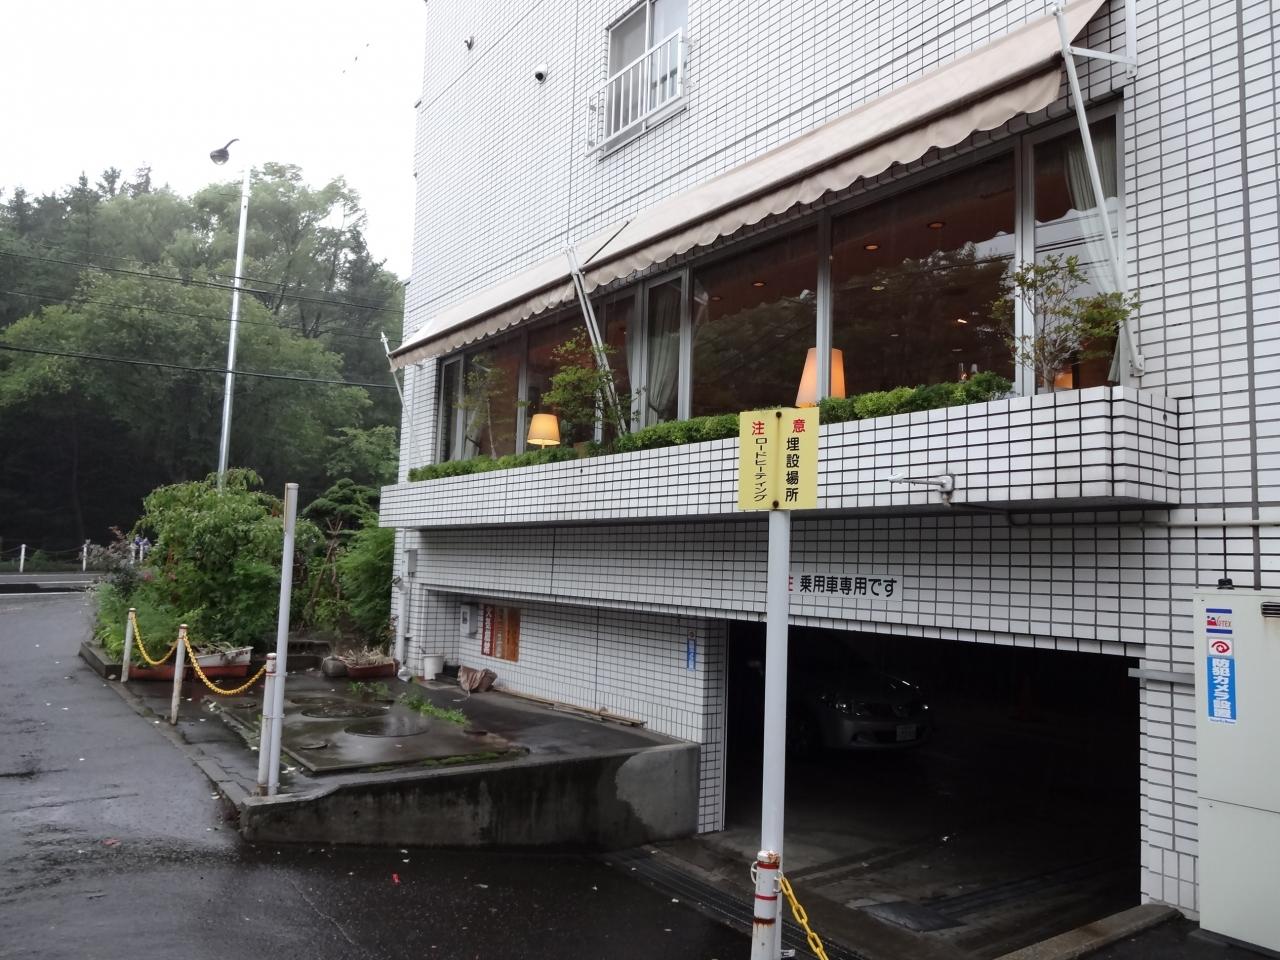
(364, 572)
(217, 557)
(882, 403)
(157, 623)
(877, 403)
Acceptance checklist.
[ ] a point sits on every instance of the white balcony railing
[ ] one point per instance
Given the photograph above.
(647, 85)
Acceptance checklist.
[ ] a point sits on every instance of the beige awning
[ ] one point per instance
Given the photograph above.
(1016, 74)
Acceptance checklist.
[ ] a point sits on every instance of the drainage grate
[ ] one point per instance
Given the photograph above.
(730, 908)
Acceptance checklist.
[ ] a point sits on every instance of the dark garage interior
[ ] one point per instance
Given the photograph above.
(981, 794)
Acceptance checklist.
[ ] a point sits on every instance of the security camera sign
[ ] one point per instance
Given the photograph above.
(1219, 639)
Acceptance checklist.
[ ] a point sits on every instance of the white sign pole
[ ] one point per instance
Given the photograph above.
(766, 943)
(282, 636)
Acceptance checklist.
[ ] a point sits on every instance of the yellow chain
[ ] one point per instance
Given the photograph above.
(802, 918)
(137, 639)
(218, 690)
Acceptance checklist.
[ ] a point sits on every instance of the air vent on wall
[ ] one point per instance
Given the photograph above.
(1271, 609)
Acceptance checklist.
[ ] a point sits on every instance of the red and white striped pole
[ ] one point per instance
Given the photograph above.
(764, 921)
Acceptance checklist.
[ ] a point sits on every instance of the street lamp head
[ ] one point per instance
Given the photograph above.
(222, 154)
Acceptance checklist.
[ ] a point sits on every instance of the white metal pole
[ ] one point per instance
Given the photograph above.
(84, 556)
(22, 558)
(179, 668)
(264, 738)
(282, 636)
(402, 634)
(224, 444)
(773, 785)
(127, 656)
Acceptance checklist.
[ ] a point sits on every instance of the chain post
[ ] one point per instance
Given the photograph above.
(764, 921)
(127, 657)
(179, 667)
(264, 738)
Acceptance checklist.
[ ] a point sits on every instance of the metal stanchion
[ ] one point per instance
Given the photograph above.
(179, 668)
(268, 724)
(282, 635)
(127, 657)
(22, 559)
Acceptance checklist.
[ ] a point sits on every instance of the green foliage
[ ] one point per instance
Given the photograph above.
(369, 691)
(1066, 327)
(157, 622)
(368, 457)
(85, 440)
(979, 388)
(364, 573)
(217, 556)
(483, 464)
(425, 707)
(343, 507)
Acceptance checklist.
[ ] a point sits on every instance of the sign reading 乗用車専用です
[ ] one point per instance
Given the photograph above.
(778, 459)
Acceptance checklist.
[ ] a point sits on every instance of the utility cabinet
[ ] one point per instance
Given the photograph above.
(1237, 669)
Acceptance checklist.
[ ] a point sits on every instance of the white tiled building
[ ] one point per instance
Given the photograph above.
(1083, 518)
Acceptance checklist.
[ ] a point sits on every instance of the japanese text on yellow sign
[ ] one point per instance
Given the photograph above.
(778, 459)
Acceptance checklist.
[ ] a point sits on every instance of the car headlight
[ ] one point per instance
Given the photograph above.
(852, 708)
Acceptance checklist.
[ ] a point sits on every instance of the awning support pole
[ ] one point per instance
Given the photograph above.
(405, 413)
(1136, 364)
(597, 339)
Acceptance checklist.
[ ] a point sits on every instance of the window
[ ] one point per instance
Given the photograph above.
(450, 384)
(1067, 223)
(490, 388)
(644, 68)
(754, 320)
(913, 278)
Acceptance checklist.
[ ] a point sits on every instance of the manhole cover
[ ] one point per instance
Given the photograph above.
(391, 725)
(310, 744)
(475, 732)
(341, 711)
(314, 700)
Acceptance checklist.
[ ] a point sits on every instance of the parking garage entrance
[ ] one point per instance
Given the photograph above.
(983, 795)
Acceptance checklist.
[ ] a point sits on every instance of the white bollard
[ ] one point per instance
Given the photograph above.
(22, 558)
(264, 739)
(282, 635)
(765, 925)
(127, 656)
(84, 557)
(179, 668)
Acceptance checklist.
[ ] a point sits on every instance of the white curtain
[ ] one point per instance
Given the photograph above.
(664, 353)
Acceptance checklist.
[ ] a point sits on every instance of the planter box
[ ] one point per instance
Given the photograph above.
(232, 664)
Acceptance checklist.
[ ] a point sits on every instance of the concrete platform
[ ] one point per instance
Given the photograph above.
(527, 775)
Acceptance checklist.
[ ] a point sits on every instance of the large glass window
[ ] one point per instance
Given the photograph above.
(914, 276)
(754, 320)
(661, 397)
(1067, 223)
(616, 318)
(450, 384)
(490, 389)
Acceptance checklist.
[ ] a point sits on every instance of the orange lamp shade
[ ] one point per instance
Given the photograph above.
(544, 430)
(807, 395)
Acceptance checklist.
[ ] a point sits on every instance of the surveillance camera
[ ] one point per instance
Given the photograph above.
(540, 72)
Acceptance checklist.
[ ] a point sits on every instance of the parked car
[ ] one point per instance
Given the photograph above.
(838, 701)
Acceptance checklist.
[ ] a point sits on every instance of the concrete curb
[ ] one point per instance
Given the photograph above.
(1092, 937)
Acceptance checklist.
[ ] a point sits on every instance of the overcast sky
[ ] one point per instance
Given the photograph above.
(328, 85)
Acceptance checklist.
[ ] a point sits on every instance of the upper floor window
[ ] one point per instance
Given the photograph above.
(646, 71)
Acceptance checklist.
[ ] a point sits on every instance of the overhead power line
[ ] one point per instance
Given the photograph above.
(178, 366)
(76, 298)
(191, 282)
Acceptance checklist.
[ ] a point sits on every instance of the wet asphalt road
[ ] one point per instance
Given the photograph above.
(113, 845)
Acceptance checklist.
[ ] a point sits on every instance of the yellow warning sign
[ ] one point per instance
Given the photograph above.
(778, 459)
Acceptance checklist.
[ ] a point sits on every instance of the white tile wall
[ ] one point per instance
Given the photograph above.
(1203, 248)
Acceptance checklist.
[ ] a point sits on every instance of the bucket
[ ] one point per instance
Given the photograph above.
(432, 666)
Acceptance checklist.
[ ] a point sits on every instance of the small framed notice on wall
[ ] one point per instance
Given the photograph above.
(500, 632)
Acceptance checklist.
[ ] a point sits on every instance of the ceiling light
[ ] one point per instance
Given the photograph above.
(757, 283)
(877, 287)
(716, 297)
(936, 224)
(871, 247)
(956, 349)
(893, 335)
(961, 320)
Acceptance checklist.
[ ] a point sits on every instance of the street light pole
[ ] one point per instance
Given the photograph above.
(228, 390)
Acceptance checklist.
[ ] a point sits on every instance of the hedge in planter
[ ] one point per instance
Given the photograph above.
(979, 388)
